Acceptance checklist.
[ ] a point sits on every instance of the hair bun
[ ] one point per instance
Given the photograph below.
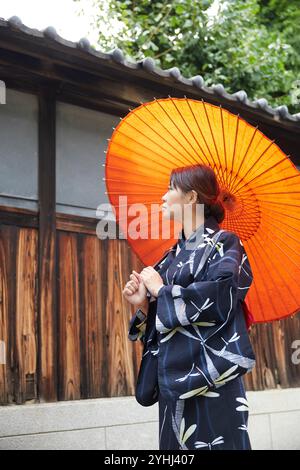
(216, 207)
(220, 197)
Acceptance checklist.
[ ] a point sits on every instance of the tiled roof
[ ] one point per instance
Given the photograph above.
(280, 113)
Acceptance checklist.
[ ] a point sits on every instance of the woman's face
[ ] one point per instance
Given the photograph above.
(173, 205)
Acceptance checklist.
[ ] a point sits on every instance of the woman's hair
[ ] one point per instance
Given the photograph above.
(202, 179)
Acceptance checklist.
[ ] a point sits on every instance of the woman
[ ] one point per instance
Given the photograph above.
(200, 337)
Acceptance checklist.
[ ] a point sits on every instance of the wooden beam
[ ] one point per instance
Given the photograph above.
(47, 321)
(86, 82)
(75, 223)
(18, 216)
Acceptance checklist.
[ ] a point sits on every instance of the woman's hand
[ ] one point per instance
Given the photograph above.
(152, 280)
(135, 290)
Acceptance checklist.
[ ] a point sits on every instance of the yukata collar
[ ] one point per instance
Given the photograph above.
(210, 227)
(197, 238)
(207, 228)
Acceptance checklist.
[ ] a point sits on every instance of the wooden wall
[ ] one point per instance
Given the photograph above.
(93, 356)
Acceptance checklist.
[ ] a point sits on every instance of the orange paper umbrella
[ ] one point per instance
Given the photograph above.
(259, 184)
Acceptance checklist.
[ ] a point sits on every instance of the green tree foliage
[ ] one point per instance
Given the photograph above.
(244, 44)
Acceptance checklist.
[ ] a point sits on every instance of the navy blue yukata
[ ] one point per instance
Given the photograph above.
(197, 331)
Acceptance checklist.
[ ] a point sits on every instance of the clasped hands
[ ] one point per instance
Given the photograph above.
(135, 290)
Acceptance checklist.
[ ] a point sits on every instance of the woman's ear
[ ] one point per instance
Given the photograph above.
(192, 197)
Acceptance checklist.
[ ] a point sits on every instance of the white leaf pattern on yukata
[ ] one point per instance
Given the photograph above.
(244, 406)
(184, 435)
(211, 394)
(196, 392)
(176, 421)
(221, 380)
(243, 427)
(226, 376)
(234, 358)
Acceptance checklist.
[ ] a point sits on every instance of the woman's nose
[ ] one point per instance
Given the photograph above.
(164, 197)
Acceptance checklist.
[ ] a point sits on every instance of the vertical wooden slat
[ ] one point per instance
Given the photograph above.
(121, 377)
(26, 313)
(8, 236)
(265, 373)
(93, 285)
(269, 370)
(47, 382)
(105, 334)
(280, 366)
(5, 379)
(69, 322)
(131, 262)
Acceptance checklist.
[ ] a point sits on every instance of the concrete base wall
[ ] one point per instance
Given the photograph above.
(121, 423)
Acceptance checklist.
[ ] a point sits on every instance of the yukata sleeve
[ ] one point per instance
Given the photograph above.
(212, 297)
